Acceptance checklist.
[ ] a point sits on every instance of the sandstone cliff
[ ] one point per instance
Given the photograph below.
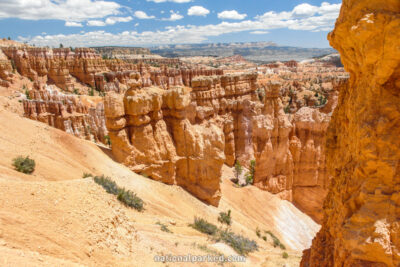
(361, 211)
(66, 112)
(183, 136)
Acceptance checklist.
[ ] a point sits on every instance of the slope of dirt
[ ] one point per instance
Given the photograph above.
(54, 217)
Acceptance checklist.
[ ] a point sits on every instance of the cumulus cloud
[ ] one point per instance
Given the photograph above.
(108, 21)
(67, 10)
(174, 16)
(96, 23)
(231, 14)
(113, 20)
(198, 11)
(73, 24)
(175, 1)
(259, 32)
(142, 15)
(322, 19)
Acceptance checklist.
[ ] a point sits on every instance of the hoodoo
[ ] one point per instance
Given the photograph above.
(361, 225)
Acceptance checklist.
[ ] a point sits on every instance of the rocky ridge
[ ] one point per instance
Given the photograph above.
(361, 212)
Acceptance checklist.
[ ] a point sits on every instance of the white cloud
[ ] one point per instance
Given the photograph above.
(67, 10)
(113, 20)
(73, 24)
(231, 14)
(96, 23)
(174, 16)
(259, 32)
(198, 11)
(322, 20)
(142, 15)
(175, 1)
(304, 10)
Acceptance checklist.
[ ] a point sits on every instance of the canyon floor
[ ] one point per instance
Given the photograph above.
(56, 218)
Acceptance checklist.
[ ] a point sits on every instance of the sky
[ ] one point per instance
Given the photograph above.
(76, 23)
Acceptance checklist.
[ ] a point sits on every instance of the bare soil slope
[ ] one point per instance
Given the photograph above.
(56, 218)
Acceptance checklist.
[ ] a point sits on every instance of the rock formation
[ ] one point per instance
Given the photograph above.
(290, 153)
(66, 112)
(179, 125)
(183, 135)
(150, 132)
(361, 212)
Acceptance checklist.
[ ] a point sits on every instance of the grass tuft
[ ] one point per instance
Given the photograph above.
(165, 228)
(285, 255)
(239, 243)
(87, 175)
(203, 226)
(225, 217)
(276, 241)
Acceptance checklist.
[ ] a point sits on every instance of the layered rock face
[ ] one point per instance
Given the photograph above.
(361, 212)
(6, 70)
(289, 153)
(150, 132)
(66, 112)
(183, 136)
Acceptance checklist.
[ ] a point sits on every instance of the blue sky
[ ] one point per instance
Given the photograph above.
(303, 23)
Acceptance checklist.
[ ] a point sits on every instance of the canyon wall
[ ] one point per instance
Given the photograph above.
(183, 135)
(361, 225)
(70, 113)
(179, 125)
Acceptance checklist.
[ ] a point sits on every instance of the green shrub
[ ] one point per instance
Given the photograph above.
(130, 199)
(225, 217)
(86, 175)
(276, 241)
(127, 197)
(24, 164)
(261, 94)
(240, 244)
(109, 185)
(107, 139)
(238, 170)
(203, 226)
(285, 255)
(164, 228)
(258, 232)
(264, 238)
(287, 109)
(91, 91)
(27, 94)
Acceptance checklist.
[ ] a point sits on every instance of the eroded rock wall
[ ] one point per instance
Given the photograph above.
(66, 112)
(361, 212)
(183, 135)
(151, 133)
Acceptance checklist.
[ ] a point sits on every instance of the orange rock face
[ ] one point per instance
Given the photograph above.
(179, 125)
(66, 112)
(183, 135)
(289, 153)
(150, 132)
(361, 212)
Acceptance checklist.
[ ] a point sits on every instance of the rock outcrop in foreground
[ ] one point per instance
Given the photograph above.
(361, 224)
